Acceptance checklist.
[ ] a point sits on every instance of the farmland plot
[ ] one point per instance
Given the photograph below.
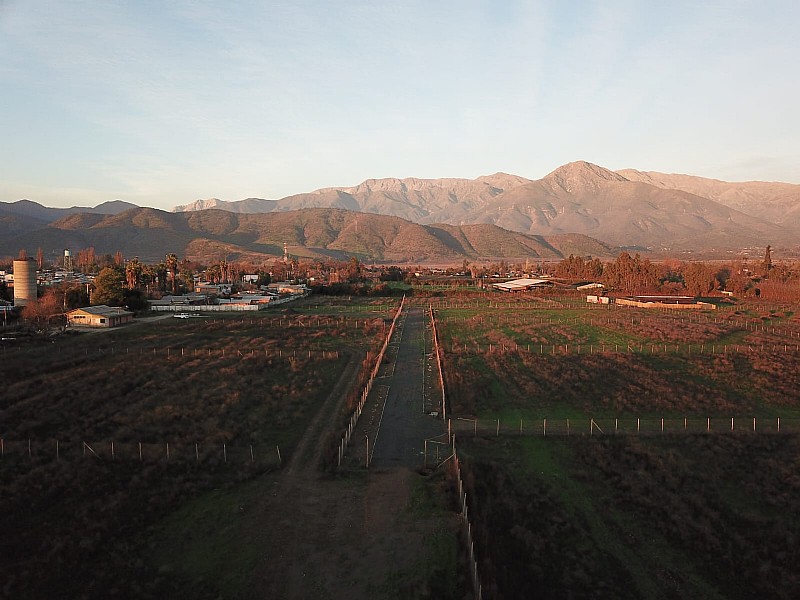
(534, 363)
(103, 435)
(695, 509)
(636, 517)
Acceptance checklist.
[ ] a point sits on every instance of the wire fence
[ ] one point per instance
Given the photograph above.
(437, 353)
(260, 455)
(348, 432)
(454, 471)
(755, 325)
(683, 349)
(591, 426)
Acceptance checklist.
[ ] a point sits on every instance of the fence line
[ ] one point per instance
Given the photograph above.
(733, 325)
(436, 349)
(591, 426)
(455, 472)
(368, 387)
(568, 349)
(149, 452)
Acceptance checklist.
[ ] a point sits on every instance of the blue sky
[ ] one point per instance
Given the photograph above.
(162, 103)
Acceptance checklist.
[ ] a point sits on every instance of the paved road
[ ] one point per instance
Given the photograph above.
(405, 423)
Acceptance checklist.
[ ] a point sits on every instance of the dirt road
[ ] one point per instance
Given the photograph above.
(355, 534)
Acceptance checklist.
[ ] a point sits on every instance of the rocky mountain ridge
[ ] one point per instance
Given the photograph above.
(646, 210)
(632, 208)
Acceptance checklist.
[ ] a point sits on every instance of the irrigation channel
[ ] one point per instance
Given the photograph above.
(403, 407)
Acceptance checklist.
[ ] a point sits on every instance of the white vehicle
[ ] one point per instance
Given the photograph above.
(182, 315)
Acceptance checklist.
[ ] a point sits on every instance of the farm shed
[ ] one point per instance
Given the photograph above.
(671, 302)
(99, 316)
(522, 285)
(185, 300)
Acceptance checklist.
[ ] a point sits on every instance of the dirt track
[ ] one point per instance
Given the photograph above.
(352, 535)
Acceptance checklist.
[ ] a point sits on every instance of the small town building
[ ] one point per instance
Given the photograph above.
(248, 299)
(204, 287)
(99, 316)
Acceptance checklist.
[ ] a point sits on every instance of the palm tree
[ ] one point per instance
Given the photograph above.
(133, 273)
(172, 270)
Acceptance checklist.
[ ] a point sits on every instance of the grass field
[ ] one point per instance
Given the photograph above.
(629, 517)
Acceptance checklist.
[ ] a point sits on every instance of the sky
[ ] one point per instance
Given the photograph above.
(163, 103)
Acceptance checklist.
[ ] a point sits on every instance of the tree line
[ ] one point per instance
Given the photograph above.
(637, 275)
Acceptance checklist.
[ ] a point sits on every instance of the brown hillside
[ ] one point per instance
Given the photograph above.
(214, 234)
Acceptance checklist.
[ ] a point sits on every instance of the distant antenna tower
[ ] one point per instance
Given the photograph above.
(67, 260)
(285, 253)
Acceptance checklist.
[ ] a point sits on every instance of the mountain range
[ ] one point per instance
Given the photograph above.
(498, 215)
(308, 233)
(649, 210)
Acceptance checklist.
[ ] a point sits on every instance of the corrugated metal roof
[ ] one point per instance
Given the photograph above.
(521, 284)
(101, 310)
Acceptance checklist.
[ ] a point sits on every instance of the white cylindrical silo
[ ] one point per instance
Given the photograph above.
(24, 282)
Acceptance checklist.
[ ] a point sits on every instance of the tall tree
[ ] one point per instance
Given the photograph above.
(171, 263)
(40, 311)
(109, 286)
(766, 266)
(39, 257)
(133, 273)
(86, 259)
(699, 279)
